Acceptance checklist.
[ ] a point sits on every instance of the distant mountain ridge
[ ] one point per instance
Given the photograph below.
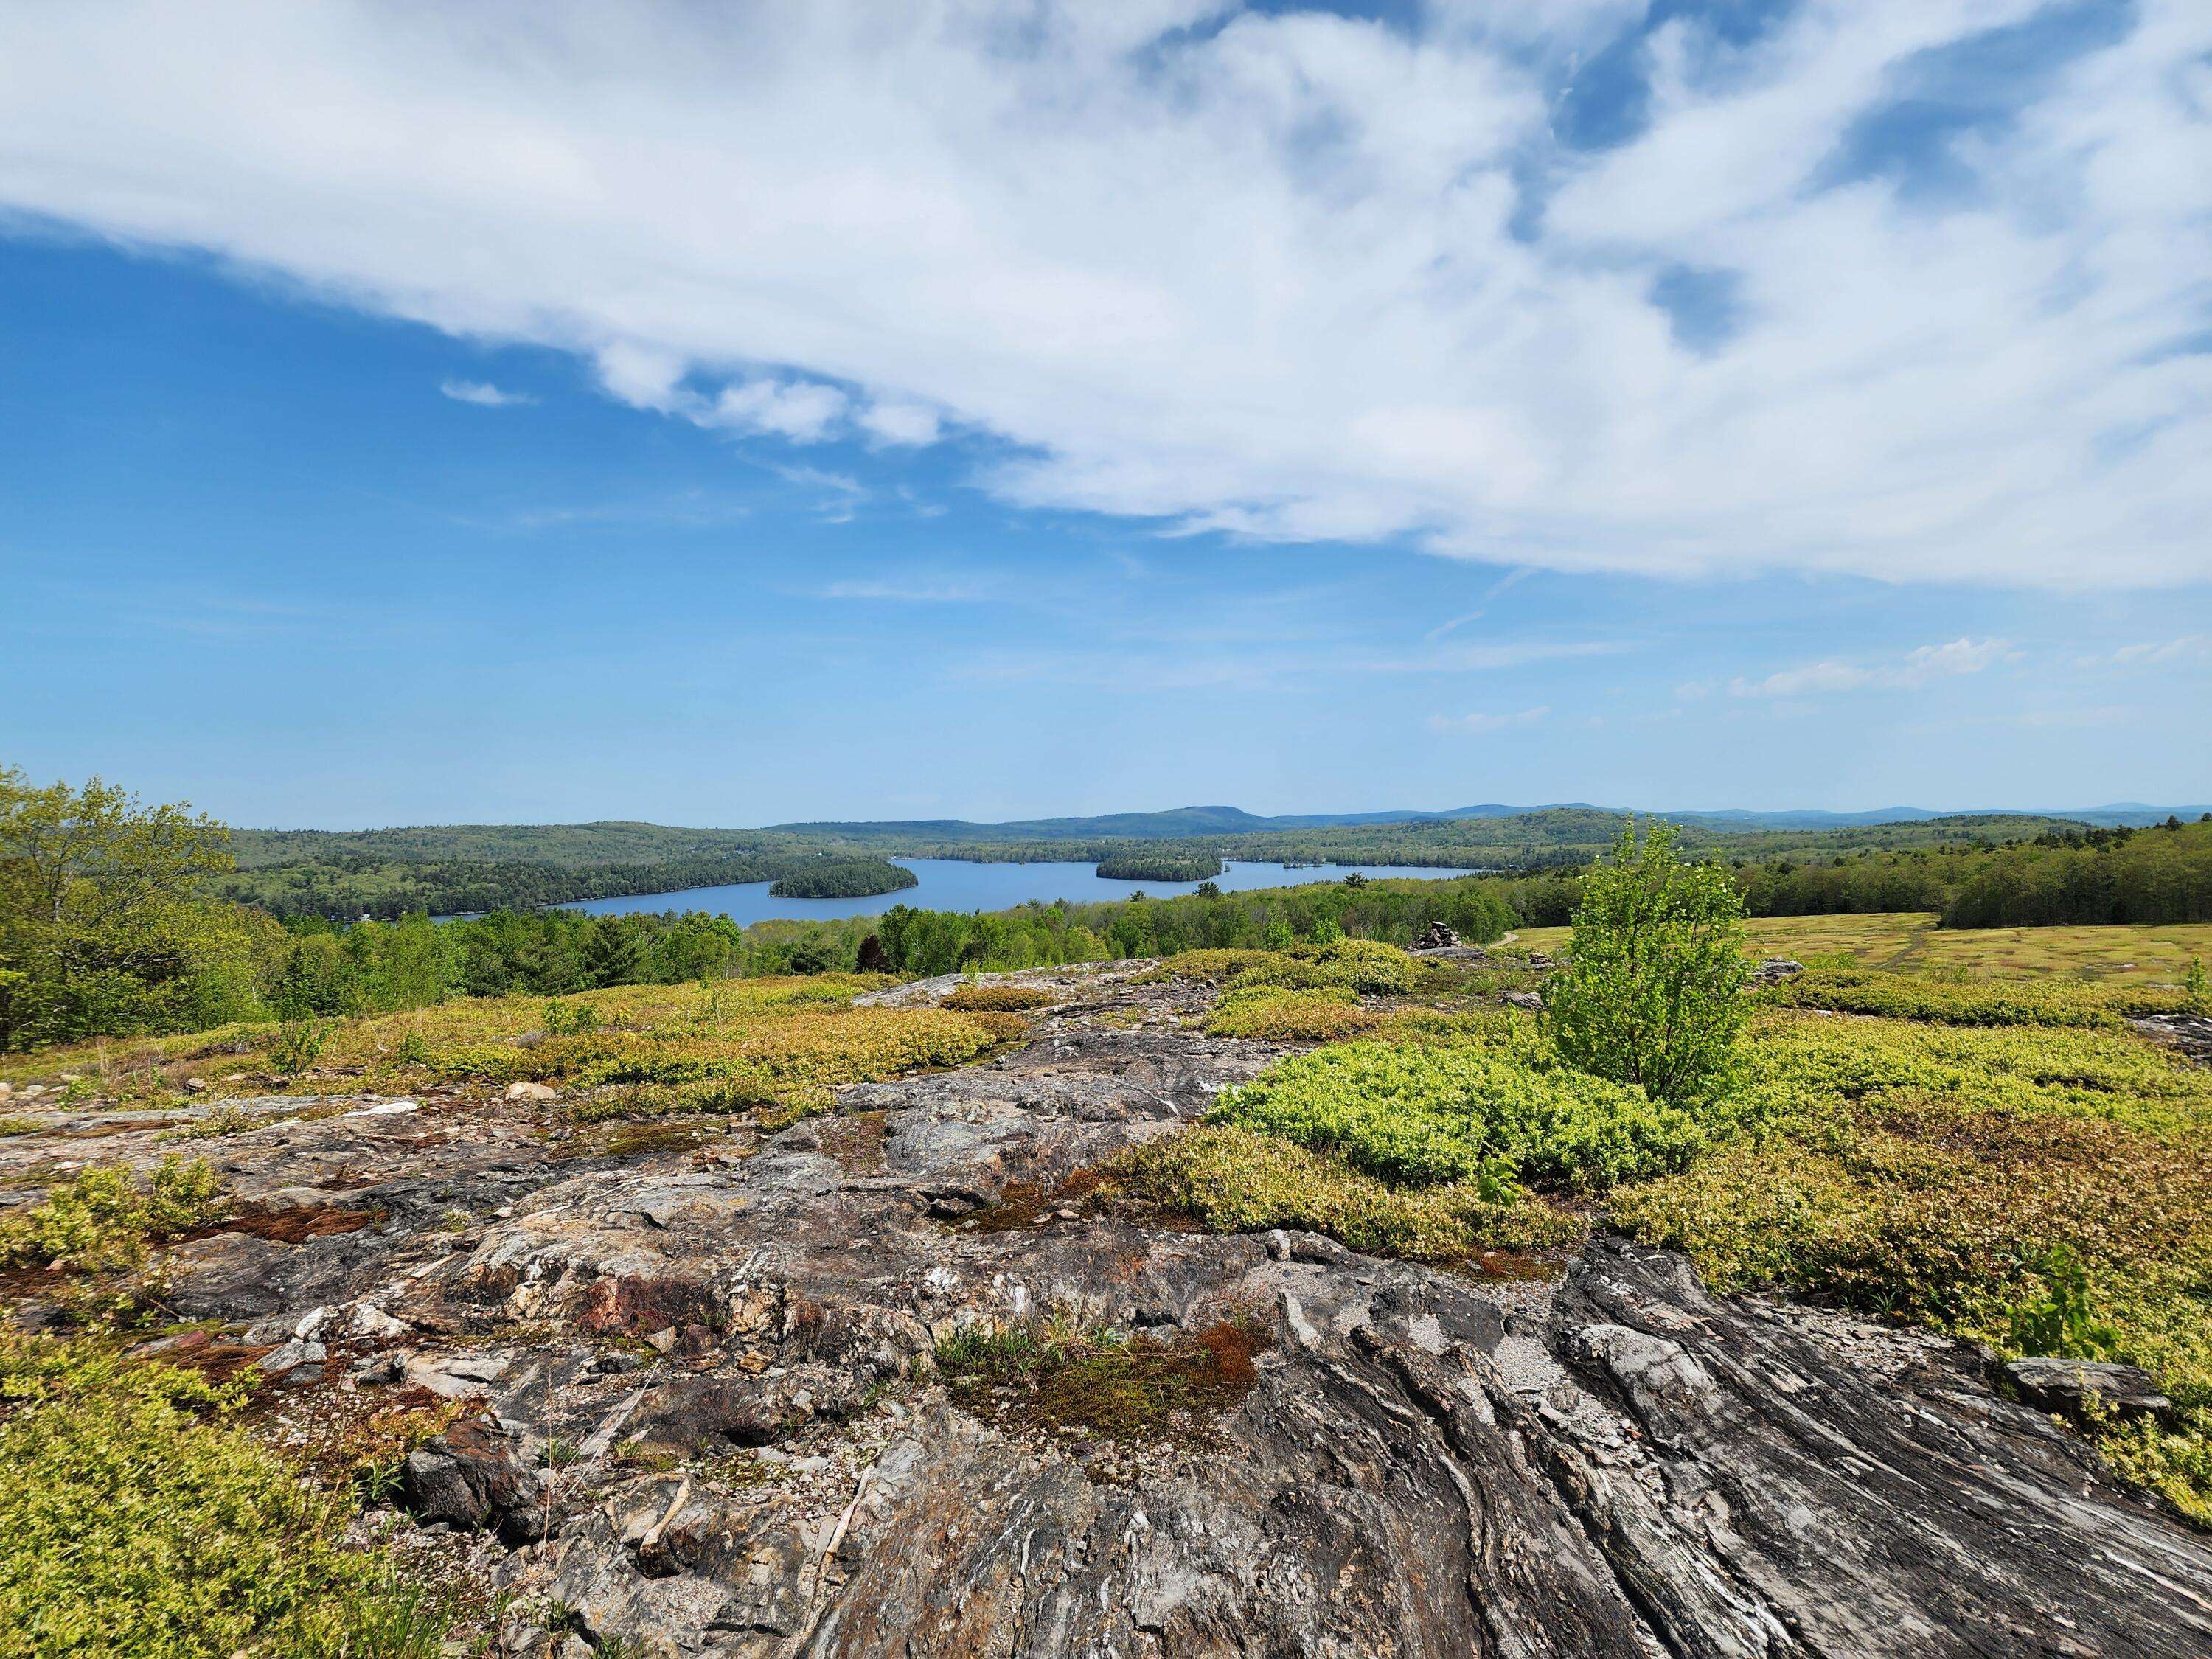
(1235, 821)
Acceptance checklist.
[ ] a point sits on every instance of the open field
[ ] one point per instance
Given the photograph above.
(1910, 940)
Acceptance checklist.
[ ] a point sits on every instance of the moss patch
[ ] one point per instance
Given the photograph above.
(1053, 1377)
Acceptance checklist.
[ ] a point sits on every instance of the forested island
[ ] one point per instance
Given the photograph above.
(844, 878)
(1161, 867)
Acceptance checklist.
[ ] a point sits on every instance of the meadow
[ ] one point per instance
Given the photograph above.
(1912, 940)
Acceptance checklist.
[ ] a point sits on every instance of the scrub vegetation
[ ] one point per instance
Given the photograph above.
(140, 1517)
(2006, 1159)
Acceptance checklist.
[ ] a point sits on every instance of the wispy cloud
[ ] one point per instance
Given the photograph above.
(483, 394)
(1916, 669)
(1486, 657)
(2190, 647)
(897, 592)
(1445, 628)
(1482, 725)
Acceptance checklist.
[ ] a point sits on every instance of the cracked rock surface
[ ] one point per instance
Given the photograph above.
(698, 1415)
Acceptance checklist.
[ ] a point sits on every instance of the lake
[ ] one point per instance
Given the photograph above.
(958, 885)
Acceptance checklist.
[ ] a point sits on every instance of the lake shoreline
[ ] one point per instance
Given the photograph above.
(967, 886)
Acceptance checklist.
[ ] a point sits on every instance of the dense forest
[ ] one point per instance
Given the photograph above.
(345, 886)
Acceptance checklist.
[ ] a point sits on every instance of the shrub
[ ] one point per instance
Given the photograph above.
(295, 1045)
(1649, 993)
(571, 1019)
(997, 999)
(135, 1519)
(1424, 1115)
(102, 1220)
(1212, 966)
(2035, 1189)
(1363, 964)
(1273, 1014)
(2059, 1321)
(1956, 999)
(1232, 1180)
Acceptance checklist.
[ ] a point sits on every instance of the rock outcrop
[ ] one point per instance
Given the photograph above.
(699, 1412)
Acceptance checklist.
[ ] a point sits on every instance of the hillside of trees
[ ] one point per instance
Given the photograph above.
(345, 886)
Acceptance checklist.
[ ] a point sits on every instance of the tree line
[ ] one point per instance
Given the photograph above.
(113, 920)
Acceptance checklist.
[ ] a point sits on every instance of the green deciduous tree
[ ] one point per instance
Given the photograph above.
(102, 925)
(1648, 993)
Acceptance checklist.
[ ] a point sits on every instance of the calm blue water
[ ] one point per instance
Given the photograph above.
(957, 884)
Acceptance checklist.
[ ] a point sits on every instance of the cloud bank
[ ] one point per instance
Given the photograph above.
(1290, 276)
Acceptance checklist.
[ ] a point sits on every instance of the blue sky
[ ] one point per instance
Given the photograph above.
(1749, 405)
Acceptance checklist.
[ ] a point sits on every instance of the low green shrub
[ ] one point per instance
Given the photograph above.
(1365, 964)
(1212, 966)
(1957, 999)
(100, 1220)
(574, 1018)
(1423, 1114)
(296, 1044)
(998, 999)
(1231, 1180)
(137, 1519)
(1272, 1013)
(1357, 964)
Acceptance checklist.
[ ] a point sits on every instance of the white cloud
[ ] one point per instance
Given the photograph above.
(485, 393)
(1915, 669)
(1483, 725)
(1280, 277)
(894, 422)
(801, 410)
